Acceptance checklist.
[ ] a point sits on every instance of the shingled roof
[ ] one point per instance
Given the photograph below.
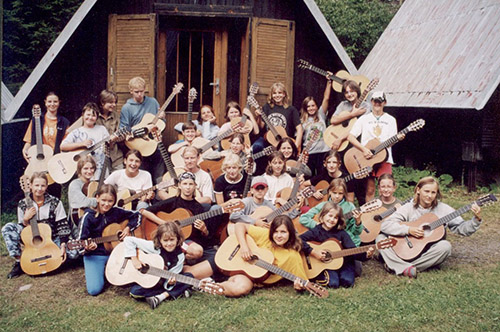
(441, 54)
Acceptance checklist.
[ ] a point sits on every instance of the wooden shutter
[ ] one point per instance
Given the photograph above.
(131, 52)
(272, 55)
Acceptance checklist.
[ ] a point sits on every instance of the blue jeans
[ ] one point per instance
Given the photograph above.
(138, 292)
(94, 273)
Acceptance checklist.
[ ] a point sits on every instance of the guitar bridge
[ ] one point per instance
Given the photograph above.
(42, 258)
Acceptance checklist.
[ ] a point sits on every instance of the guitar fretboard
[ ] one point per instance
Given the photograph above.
(390, 142)
(167, 274)
(350, 252)
(201, 216)
(168, 162)
(216, 140)
(307, 65)
(276, 270)
(390, 211)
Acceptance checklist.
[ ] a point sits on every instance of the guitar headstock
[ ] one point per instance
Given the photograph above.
(120, 135)
(36, 110)
(25, 184)
(267, 151)
(316, 289)
(254, 88)
(303, 64)
(233, 205)
(386, 243)
(363, 173)
(416, 125)
(253, 102)
(373, 83)
(486, 200)
(211, 287)
(307, 192)
(74, 245)
(192, 95)
(371, 206)
(177, 88)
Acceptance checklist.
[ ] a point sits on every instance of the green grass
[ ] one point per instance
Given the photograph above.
(462, 295)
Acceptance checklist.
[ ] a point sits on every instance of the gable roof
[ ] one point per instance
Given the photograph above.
(442, 54)
(332, 38)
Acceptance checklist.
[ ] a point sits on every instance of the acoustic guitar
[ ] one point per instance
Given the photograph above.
(225, 143)
(343, 129)
(185, 219)
(62, 166)
(338, 79)
(354, 158)
(334, 258)
(323, 185)
(409, 247)
(191, 97)
(110, 238)
(40, 254)
(38, 154)
(274, 133)
(228, 258)
(372, 221)
(145, 143)
(120, 271)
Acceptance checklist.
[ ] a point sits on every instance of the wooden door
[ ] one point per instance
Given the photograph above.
(131, 53)
(198, 59)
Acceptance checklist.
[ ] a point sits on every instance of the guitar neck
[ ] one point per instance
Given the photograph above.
(33, 222)
(248, 182)
(216, 140)
(139, 194)
(261, 154)
(325, 73)
(443, 220)
(190, 112)
(276, 270)
(201, 216)
(106, 165)
(390, 142)
(352, 251)
(168, 162)
(165, 274)
(362, 98)
(38, 135)
(291, 202)
(390, 211)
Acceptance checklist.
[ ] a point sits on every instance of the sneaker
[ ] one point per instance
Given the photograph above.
(187, 293)
(410, 272)
(16, 271)
(153, 302)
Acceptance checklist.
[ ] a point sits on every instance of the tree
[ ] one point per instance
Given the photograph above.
(30, 27)
(358, 23)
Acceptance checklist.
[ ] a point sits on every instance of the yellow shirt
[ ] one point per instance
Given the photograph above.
(286, 259)
(49, 132)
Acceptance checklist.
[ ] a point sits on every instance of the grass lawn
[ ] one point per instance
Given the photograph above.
(462, 295)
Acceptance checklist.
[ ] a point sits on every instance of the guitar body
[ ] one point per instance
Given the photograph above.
(113, 229)
(315, 266)
(371, 227)
(274, 140)
(229, 260)
(322, 185)
(146, 145)
(62, 166)
(213, 167)
(178, 214)
(120, 271)
(354, 159)
(226, 144)
(39, 163)
(335, 131)
(344, 75)
(301, 229)
(121, 196)
(40, 254)
(402, 248)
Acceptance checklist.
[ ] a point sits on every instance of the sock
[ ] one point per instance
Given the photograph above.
(161, 297)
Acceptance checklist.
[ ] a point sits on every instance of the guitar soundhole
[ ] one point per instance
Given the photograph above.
(37, 240)
(144, 269)
(345, 123)
(40, 156)
(328, 257)
(120, 203)
(427, 230)
(119, 233)
(76, 158)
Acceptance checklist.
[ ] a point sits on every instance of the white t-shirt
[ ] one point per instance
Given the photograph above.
(275, 184)
(205, 184)
(382, 128)
(120, 179)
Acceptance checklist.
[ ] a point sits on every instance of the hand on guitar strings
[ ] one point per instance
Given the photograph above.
(125, 232)
(262, 222)
(91, 246)
(367, 153)
(416, 232)
(357, 215)
(30, 213)
(476, 209)
(136, 263)
(200, 225)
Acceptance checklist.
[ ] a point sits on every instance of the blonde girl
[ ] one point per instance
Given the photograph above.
(77, 190)
(314, 119)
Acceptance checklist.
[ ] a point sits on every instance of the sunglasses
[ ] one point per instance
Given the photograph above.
(260, 187)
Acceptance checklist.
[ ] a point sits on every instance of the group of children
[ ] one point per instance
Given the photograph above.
(198, 192)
